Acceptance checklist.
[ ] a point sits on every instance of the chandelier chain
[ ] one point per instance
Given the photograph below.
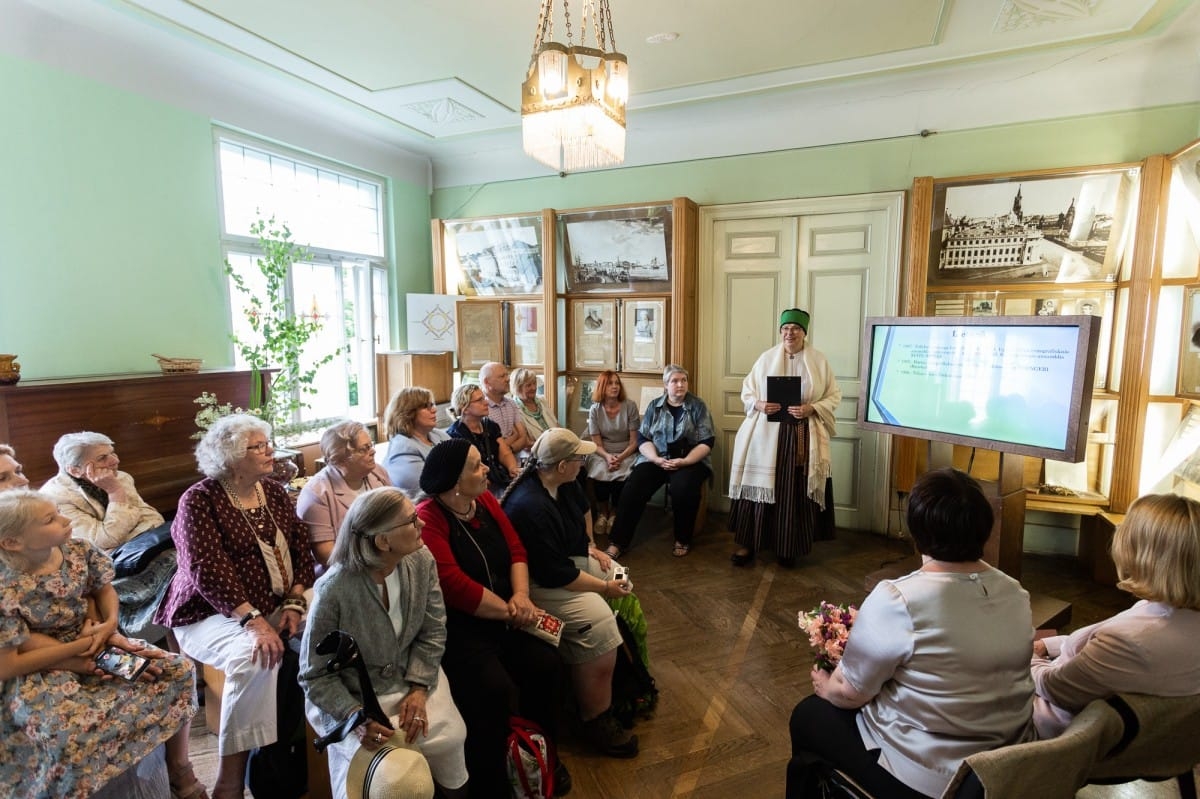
(567, 14)
(606, 16)
(545, 24)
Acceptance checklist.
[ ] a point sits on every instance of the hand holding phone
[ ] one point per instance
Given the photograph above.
(121, 663)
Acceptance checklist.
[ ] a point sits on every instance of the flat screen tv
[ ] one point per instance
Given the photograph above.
(1019, 384)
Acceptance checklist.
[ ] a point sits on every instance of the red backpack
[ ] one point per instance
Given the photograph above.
(529, 758)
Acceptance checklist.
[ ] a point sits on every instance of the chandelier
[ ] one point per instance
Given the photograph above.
(573, 98)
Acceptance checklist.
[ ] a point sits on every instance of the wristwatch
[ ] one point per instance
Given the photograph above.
(253, 614)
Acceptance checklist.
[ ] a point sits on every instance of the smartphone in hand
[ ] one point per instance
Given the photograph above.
(121, 663)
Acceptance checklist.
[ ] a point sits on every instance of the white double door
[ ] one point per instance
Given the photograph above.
(839, 259)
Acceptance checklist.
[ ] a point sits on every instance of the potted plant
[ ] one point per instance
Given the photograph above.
(279, 340)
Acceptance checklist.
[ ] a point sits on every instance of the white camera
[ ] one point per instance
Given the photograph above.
(620, 572)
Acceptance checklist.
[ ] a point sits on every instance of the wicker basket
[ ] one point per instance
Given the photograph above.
(177, 366)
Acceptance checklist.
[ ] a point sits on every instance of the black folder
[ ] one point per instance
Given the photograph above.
(786, 391)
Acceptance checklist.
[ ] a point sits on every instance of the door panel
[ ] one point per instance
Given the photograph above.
(838, 258)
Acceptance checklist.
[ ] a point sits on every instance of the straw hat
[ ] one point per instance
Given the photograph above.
(393, 771)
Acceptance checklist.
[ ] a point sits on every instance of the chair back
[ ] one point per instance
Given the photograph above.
(1057, 767)
(1161, 739)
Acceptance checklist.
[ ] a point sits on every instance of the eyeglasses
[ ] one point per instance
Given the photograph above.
(364, 449)
(480, 398)
(106, 457)
(578, 458)
(260, 448)
(430, 406)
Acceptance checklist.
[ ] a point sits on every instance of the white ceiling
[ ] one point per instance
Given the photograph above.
(440, 79)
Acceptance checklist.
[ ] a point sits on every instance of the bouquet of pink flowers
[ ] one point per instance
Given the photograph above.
(827, 627)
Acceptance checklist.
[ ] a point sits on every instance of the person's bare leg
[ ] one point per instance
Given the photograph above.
(593, 684)
(231, 776)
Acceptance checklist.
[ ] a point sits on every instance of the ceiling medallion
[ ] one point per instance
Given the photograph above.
(1020, 14)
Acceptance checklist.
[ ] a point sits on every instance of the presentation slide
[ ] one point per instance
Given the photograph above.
(1004, 383)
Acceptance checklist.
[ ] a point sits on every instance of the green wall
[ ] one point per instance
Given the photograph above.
(109, 231)
(844, 169)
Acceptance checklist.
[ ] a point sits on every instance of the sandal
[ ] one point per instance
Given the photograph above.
(680, 550)
(184, 784)
(613, 551)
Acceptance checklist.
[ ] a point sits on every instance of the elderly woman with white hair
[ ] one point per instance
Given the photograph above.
(350, 470)
(244, 565)
(382, 590)
(104, 507)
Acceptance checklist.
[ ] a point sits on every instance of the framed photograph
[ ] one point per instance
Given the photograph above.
(984, 307)
(480, 334)
(644, 335)
(494, 257)
(1189, 348)
(525, 332)
(617, 250)
(593, 325)
(1063, 227)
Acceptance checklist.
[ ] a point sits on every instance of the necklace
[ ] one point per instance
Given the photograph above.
(466, 515)
(280, 565)
(258, 521)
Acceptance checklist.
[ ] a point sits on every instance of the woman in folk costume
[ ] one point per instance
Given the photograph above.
(780, 482)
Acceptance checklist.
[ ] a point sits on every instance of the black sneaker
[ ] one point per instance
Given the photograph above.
(609, 737)
(562, 779)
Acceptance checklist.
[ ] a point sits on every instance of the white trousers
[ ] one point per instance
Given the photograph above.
(248, 716)
(442, 747)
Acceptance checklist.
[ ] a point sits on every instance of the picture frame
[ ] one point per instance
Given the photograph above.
(1052, 227)
(644, 335)
(496, 256)
(593, 325)
(617, 250)
(1189, 345)
(480, 334)
(526, 339)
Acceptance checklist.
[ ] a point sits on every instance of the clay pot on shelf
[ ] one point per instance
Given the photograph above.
(10, 370)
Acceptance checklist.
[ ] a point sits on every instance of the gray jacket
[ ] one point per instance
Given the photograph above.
(349, 601)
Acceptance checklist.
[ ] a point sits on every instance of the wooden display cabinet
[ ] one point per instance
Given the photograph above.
(397, 370)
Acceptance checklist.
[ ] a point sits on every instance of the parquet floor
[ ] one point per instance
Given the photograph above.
(730, 663)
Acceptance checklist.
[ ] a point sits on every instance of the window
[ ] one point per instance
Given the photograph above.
(336, 214)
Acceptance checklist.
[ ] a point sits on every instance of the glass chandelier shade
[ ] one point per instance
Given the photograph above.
(573, 98)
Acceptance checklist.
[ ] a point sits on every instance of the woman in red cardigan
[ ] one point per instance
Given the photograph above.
(497, 669)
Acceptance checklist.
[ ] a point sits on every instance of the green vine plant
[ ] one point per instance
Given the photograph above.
(280, 334)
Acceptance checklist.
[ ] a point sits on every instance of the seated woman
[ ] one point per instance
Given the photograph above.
(936, 667)
(674, 442)
(613, 422)
(350, 470)
(411, 423)
(382, 589)
(469, 406)
(12, 474)
(103, 507)
(244, 564)
(496, 671)
(535, 413)
(67, 728)
(1148, 649)
(571, 578)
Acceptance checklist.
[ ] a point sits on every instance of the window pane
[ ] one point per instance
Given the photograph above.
(317, 297)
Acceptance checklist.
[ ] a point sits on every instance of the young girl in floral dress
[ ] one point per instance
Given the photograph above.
(67, 728)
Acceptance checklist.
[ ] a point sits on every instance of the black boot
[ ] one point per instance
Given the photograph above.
(609, 737)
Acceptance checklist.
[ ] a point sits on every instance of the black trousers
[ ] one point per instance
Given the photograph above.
(825, 736)
(683, 485)
(496, 673)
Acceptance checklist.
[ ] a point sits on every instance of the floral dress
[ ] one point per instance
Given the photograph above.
(64, 734)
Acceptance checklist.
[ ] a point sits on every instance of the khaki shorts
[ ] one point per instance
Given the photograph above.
(590, 629)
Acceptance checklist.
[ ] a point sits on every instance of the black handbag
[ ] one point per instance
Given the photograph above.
(135, 555)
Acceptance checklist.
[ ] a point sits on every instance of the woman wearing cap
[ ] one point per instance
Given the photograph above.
(571, 578)
(674, 443)
(779, 484)
(382, 589)
(497, 670)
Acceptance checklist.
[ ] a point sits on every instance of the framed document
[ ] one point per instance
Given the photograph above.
(615, 250)
(496, 256)
(525, 332)
(644, 335)
(480, 334)
(1189, 346)
(593, 334)
(786, 390)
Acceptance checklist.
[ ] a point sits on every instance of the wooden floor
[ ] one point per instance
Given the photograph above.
(730, 662)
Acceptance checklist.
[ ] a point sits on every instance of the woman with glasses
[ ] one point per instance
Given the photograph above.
(571, 579)
(411, 424)
(350, 470)
(382, 589)
(104, 507)
(238, 595)
(469, 406)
